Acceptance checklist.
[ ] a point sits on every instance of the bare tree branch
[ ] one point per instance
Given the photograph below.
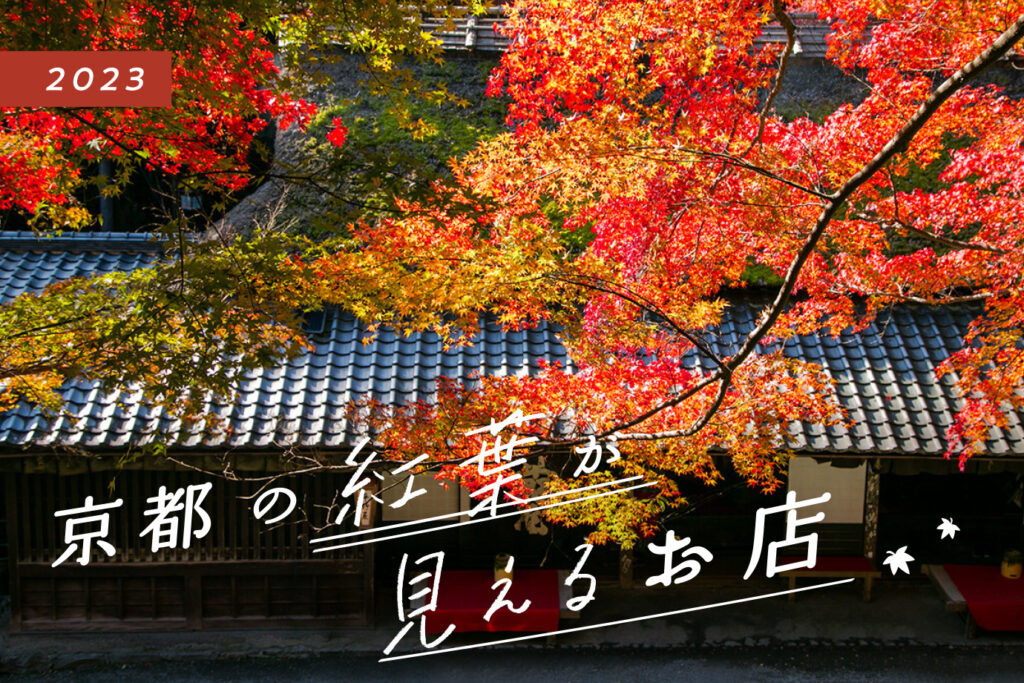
(744, 164)
(780, 15)
(947, 241)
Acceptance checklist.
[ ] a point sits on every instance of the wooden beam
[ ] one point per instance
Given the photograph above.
(872, 486)
(12, 550)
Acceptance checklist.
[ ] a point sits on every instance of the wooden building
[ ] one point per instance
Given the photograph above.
(882, 470)
(242, 572)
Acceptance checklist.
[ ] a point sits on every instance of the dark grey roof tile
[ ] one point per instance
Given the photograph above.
(818, 443)
(318, 360)
(842, 443)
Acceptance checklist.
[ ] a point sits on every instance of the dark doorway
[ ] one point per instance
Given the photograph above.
(985, 507)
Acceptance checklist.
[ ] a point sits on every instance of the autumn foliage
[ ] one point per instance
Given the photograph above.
(165, 331)
(644, 173)
(224, 92)
(649, 129)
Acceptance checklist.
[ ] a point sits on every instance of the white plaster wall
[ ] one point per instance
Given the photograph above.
(846, 484)
(437, 500)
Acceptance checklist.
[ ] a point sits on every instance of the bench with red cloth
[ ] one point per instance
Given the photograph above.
(464, 596)
(992, 601)
(832, 567)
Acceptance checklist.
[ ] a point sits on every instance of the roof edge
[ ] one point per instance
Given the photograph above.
(27, 240)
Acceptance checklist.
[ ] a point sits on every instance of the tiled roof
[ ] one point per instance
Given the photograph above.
(300, 403)
(303, 402)
(884, 375)
(29, 263)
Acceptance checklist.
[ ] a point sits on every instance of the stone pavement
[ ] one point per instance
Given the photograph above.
(906, 611)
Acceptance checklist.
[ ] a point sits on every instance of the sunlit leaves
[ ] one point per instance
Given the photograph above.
(644, 126)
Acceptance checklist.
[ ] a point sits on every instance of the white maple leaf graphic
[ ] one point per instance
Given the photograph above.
(947, 528)
(898, 560)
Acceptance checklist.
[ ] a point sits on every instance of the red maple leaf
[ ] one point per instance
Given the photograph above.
(339, 134)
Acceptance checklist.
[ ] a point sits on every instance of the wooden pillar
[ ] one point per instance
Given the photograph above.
(369, 596)
(13, 550)
(1020, 536)
(193, 600)
(871, 491)
(625, 567)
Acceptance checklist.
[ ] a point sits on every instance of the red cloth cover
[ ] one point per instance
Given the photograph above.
(464, 596)
(995, 602)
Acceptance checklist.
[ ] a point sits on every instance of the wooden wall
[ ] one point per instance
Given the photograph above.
(241, 574)
(5, 586)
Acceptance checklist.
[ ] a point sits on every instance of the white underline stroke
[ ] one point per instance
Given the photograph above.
(613, 623)
(414, 522)
(515, 513)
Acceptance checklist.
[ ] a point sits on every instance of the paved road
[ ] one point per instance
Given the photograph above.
(789, 663)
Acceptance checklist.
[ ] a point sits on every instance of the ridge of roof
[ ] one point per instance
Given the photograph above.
(478, 33)
(27, 240)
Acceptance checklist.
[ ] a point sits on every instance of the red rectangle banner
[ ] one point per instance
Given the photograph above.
(85, 79)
